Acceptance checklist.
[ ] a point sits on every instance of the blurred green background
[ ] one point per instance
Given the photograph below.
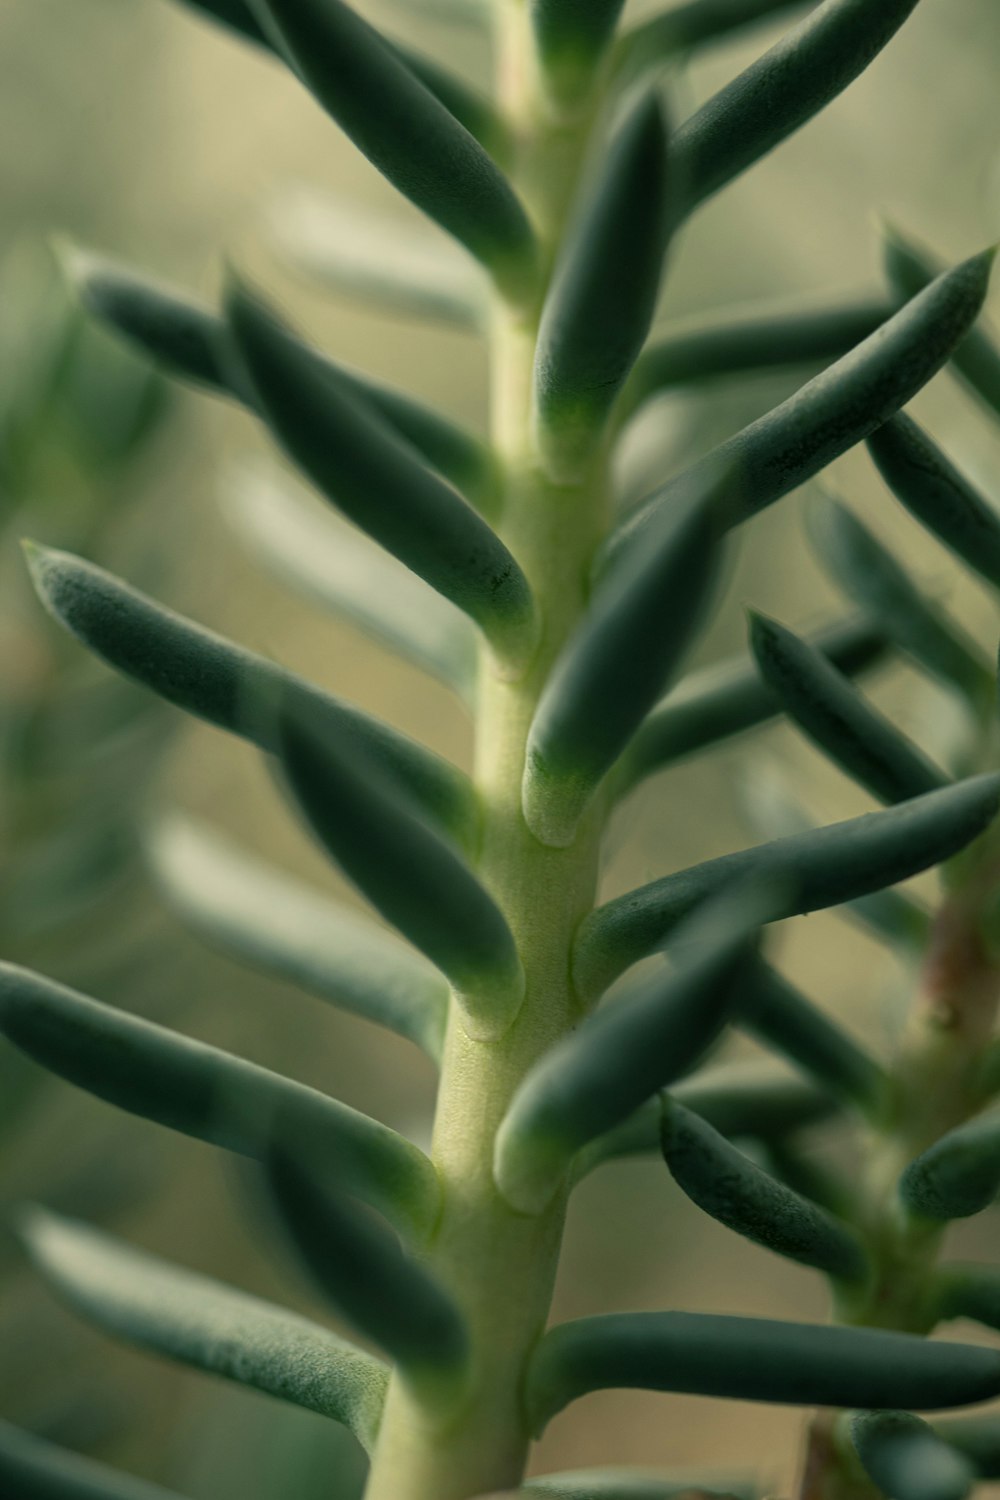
(135, 128)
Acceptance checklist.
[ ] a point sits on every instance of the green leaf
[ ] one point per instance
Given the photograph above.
(770, 340)
(904, 1457)
(783, 90)
(358, 253)
(836, 410)
(820, 868)
(278, 924)
(729, 1187)
(693, 23)
(729, 698)
(959, 1175)
(206, 1093)
(410, 136)
(360, 1266)
(635, 1484)
(868, 572)
(737, 1099)
(977, 359)
(327, 560)
(572, 36)
(32, 1469)
(602, 296)
(978, 1438)
(409, 874)
(939, 495)
(783, 1019)
(835, 716)
(186, 338)
(592, 1080)
(377, 480)
(232, 14)
(211, 677)
(640, 621)
(967, 1290)
(180, 1315)
(754, 1359)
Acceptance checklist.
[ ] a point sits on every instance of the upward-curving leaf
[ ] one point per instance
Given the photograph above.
(209, 1094)
(959, 1175)
(906, 1459)
(819, 868)
(781, 91)
(183, 1316)
(406, 132)
(416, 880)
(361, 465)
(32, 1469)
(572, 36)
(227, 685)
(693, 23)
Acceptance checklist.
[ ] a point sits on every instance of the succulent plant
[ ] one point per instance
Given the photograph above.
(564, 618)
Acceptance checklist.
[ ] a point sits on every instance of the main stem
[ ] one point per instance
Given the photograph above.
(500, 1266)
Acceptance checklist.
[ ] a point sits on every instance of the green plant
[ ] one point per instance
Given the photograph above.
(564, 622)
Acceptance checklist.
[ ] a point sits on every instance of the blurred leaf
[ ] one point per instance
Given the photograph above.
(959, 1175)
(940, 497)
(572, 36)
(978, 1438)
(378, 481)
(819, 868)
(408, 134)
(276, 923)
(206, 1093)
(754, 1359)
(903, 1457)
(233, 14)
(838, 719)
(693, 23)
(408, 873)
(966, 1290)
(32, 1469)
(180, 1315)
(785, 1021)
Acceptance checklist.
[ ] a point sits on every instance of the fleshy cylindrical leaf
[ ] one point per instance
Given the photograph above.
(967, 1290)
(959, 1175)
(572, 36)
(217, 680)
(941, 497)
(866, 569)
(726, 699)
(905, 1458)
(728, 1186)
(232, 14)
(822, 867)
(409, 874)
(374, 478)
(638, 625)
(33, 1469)
(781, 91)
(360, 1266)
(635, 1484)
(408, 134)
(596, 1077)
(693, 23)
(978, 1438)
(180, 1315)
(754, 1359)
(602, 296)
(279, 924)
(838, 719)
(782, 1018)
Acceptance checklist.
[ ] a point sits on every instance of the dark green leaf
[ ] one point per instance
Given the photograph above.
(179, 1315)
(977, 359)
(186, 338)
(781, 91)
(904, 1458)
(694, 23)
(768, 341)
(727, 1185)
(967, 1290)
(835, 716)
(621, 657)
(978, 1438)
(324, 558)
(754, 1359)
(376, 479)
(372, 1282)
(602, 296)
(959, 1175)
(206, 1093)
(406, 871)
(276, 923)
(232, 14)
(221, 682)
(572, 36)
(866, 570)
(938, 494)
(408, 134)
(635, 1484)
(783, 1019)
(592, 1080)
(729, 698)
(820, 868)
(31, 1469)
